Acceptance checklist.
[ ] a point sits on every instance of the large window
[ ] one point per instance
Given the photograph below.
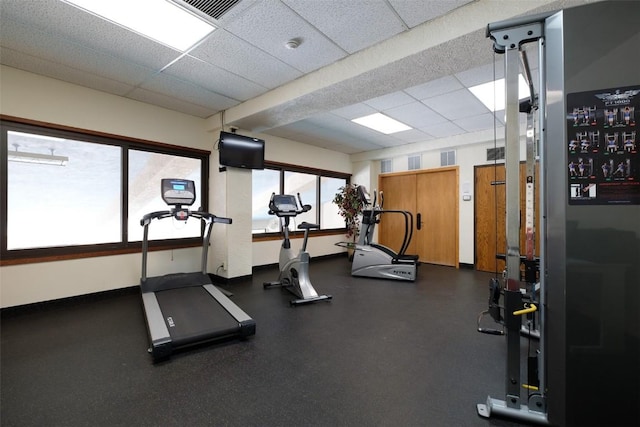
(146, 169)
(70, 193)
(304, 184)
(265, 183)
(316, 188)
(75, 201)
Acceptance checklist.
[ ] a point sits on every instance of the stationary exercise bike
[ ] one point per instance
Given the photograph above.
(294, 270)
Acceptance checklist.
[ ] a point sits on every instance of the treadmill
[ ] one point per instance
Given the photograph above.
(186, 309)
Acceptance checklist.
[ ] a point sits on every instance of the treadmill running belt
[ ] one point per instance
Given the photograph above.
(193, 315)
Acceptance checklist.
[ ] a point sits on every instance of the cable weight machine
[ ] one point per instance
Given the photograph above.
(589, 269)
(509, 40)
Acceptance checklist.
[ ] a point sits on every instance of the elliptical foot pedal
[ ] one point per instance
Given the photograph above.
(296, 302)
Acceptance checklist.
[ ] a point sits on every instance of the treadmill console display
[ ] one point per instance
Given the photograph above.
(178, 191)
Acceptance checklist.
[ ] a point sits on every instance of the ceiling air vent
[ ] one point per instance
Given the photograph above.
(212, 8)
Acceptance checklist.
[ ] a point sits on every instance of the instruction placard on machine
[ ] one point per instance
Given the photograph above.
(602, 130)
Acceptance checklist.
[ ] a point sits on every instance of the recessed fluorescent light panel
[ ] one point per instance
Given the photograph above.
(492, 94)
(381, 123)
(159, 20)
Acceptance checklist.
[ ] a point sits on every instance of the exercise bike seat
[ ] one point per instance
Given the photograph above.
(307, 226)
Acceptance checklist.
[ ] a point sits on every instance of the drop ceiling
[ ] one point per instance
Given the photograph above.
(410, 59)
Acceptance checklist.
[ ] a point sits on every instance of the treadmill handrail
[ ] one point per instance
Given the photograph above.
(207, 217)
(147, 218)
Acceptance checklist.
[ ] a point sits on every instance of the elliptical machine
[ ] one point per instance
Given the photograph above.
(294, 270)
(378, 261)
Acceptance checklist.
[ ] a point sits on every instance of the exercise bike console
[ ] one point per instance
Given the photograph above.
(282, 205)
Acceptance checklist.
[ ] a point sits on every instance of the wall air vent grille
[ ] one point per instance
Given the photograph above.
(212, 8)
(495, 153)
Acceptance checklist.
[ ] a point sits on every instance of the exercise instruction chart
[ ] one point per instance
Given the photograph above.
(603, 162)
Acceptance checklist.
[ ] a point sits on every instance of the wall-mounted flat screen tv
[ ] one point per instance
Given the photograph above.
(240, 151)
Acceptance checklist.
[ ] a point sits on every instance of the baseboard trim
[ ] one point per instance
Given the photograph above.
(67, 301)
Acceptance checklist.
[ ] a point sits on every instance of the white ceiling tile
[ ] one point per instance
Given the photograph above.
(416, 115)
(483, 74)
(354, 111)
(413, 135)
(414, 12)
(56, 50)
(215, 79)
(456, 105)
(391, 100)
(61, 72)
(479, 122)
(394, 142)
(226, 51)
(443, 130)
(269, 25)
(341, 129)
(170, 103)
(352, 25)
(434, 88)
(188, 92)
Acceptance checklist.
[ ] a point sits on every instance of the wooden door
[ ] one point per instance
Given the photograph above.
(437, 204)
(399, 194)
(490, 213)
(434, 195)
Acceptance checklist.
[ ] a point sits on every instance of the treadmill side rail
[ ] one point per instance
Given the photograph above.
(158, 331)
(246, 323)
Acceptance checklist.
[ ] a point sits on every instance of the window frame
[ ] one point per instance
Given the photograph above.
(33, 255)
(285, 167)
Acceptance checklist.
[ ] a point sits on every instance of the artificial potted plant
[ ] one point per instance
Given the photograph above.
(350, 206)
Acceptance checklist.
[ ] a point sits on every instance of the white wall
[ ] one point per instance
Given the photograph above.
(34, 97)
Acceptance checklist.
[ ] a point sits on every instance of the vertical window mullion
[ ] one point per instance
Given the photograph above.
(124, 189)
(3, 180)
(318, 199)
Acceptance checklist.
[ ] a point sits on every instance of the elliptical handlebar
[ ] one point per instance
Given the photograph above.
(374, 212)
